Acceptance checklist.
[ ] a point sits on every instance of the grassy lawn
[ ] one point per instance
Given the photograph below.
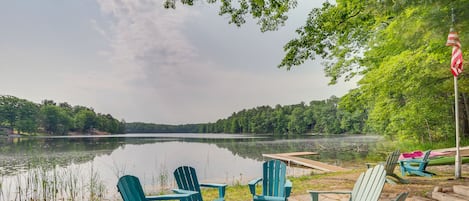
(418, 186)
(300, 185)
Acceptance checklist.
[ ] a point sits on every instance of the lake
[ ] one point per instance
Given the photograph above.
(96, 162)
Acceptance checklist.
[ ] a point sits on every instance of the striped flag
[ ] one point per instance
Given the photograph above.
(456, 59)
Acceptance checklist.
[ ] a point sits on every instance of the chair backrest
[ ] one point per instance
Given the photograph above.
(425, 160)
(391, 161)
(369, 184)
(274, 178)
(426, 156)
(130, 188)
(186, 179)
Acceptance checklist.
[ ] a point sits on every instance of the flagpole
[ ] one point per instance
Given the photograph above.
(457, 158)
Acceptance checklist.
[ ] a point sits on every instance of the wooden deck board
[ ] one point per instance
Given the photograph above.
(306, 153)
(464, 151)
(291, 158)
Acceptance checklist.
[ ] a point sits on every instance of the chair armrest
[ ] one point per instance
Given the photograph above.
(221, 188)
(315, 194)
(288, 186)
(252, 185)
(181, 191)
(369, 165)
(410, 161)
(415, 160)
(181, 194)
(212, 185)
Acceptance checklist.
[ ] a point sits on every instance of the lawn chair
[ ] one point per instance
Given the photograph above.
(401, 196)
(368, 187)
(186, 178)
(390, 165)
(131, 190)
(408, 168)
(275, 185)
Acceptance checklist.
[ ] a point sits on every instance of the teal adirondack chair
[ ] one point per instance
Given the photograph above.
(368, 187)
(390, 165)
(131, 190)
(408, 168)
(186, 179)
(275, 186)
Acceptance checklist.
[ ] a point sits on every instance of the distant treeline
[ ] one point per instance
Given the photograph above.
(139, 127)
(323, 116)
(318, 117)
(24, 116)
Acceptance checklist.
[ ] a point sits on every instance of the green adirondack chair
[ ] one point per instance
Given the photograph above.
(186, 179)
(368, 187)
(408, 168)
(131, 190)
(275, 185)
(390, 165)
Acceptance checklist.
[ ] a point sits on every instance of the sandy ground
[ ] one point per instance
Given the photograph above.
(417, 187)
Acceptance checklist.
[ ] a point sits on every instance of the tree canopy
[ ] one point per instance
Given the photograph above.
(24, 116)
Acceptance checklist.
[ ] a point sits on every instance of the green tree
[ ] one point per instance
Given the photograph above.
(28, 117)
(9, 108)
(55, 120)
(326, 118)
(397, 48)
(270, 14)
(280, 121)
(85, 120)
(18, 114)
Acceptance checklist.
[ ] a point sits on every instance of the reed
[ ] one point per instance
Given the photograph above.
(38, 184)
(163, 178)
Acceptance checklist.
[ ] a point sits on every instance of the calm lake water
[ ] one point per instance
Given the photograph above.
(223, 158)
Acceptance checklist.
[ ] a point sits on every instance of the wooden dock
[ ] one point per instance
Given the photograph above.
(292, 158)
(464, 151)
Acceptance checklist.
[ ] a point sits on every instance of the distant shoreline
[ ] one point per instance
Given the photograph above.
(10, 133)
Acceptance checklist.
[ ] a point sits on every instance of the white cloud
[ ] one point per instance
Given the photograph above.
(170, 75)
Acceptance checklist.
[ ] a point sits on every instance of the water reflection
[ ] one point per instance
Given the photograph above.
(18, 154)
(152, 157)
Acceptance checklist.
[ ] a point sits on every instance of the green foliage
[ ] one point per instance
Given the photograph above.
(317, 117)
(85, 120)
(140, 127)
(28, 114)
(55, 120)
(9, 108)
(270, 14)
(327, 33)
(28, 117)
(397, 47)
(407, 85)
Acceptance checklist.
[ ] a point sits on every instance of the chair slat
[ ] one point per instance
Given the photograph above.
(131, 189)
(275, 186)
(370, 185)
(186, 179)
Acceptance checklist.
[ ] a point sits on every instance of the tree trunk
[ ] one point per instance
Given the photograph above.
(428, 130)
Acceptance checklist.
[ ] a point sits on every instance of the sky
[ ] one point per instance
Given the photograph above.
(139, 62)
